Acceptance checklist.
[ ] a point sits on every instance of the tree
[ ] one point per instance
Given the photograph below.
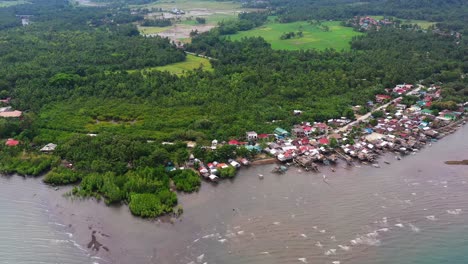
(378, 114)
(200, 20)
(373, 122)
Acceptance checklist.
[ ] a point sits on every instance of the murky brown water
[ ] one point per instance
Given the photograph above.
(406, 212)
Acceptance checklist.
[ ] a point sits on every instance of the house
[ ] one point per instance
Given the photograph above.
(11, 114)
(49, 147)
(191, 144)
(12, 142)
(335, 136)
(214, 144)
(6, 100)
(297, 112)
(426, 111)
(233, 142)
(307, 130)
(256, 148)
(263, 136)
(6, 109)
(324, 141)
(382, 97)
(298, 132)
(400, 106)
(251, 136)
(279, 132)
(321, 127)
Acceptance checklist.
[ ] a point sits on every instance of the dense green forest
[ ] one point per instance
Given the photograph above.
(71, 72)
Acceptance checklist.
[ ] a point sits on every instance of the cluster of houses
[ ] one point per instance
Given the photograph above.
(367, 23)
(405, 129)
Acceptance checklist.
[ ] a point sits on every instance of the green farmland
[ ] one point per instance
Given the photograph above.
(314, 37)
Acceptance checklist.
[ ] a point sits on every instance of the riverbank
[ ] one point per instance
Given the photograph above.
(247, 220)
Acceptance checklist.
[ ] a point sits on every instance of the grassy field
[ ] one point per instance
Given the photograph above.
(151, 30)
(194, 4)
(191, 63)
(338, 37)
(212, 11)
(12, 3)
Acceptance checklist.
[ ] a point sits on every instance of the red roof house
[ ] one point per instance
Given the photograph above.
(11, 142)
(382, 97)
(323, 141)
(233, 142)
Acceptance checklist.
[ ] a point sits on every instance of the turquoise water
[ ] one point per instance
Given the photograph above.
(448, 246)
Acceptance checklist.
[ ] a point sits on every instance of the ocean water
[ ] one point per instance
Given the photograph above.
(412, 211)
(29, 233)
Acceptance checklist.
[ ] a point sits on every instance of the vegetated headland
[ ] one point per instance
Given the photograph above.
(132, 119)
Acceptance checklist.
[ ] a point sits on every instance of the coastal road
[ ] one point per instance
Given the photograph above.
(368, 115)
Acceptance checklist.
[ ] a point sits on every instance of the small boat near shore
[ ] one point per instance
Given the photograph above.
(280, 169)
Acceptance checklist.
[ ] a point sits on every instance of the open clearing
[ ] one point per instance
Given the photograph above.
(314, 37)
(191, 63)
(212, 11)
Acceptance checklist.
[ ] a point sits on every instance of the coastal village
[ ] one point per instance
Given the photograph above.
(391, 126)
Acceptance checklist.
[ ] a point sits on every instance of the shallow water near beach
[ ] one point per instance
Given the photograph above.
(410, 211)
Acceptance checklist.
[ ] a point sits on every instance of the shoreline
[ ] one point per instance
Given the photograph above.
(83, 224)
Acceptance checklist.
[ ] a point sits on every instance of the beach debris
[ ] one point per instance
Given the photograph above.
(399, 225)
(336, 262)
(265, 253)
(276, 223)
(318, 244)
(304, 235)
(331, 251)
(260, 176)
(303, 260)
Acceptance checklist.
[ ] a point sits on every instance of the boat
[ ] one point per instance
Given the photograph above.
(245, 162)
(333, 158)
(260, 176)
(213, 178)
(386, 162)
(280, 169)
(235, 164)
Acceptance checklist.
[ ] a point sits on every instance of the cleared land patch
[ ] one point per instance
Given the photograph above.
(327, 35)
(212, 11)
(191, 63)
